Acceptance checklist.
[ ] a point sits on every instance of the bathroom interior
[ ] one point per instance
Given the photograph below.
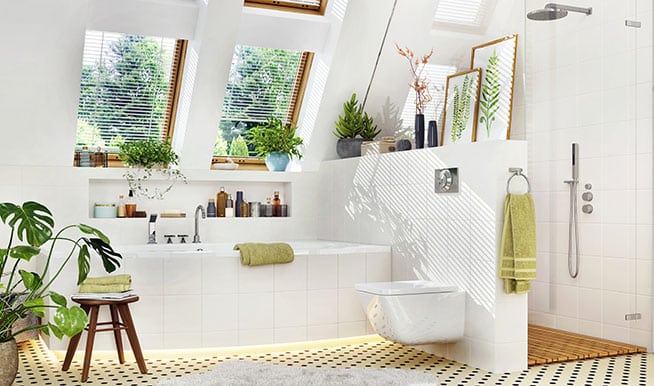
(578, 127)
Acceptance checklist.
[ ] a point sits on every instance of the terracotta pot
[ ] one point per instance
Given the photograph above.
(8, 362)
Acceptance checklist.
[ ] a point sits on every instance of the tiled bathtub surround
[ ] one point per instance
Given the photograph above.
(589, 80)
(192, 299)
(452, 238)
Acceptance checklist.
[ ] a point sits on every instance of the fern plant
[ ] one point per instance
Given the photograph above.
(490, 93)
(461, 108)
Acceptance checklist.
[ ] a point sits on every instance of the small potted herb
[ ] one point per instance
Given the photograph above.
(31, 236)
(146, 157)
(352, 123)
(276, 142)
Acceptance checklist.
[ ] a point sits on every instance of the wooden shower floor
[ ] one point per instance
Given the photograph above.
(547, 345)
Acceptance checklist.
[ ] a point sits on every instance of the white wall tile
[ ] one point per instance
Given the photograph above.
(322, 307)
(351, 270)
(247, 337)
(182, 276)
(322, 332)
(220, 339)
(255, 311)
(290, 334)
(290, 309)
(219, 275)
(351, 329)
(378, 267)
(349, 308)
(181, 314)
(291, 276)
(322, 271)
(182, 340)
(219, 312)
(255, 279)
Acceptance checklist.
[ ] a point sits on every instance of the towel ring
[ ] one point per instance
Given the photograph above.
(517, 172)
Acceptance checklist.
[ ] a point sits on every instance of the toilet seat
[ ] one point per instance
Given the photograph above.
(410, 287)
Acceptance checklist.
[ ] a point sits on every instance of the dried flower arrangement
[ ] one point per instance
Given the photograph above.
(419, 84)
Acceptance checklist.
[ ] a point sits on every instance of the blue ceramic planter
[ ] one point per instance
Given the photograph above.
(277, 161)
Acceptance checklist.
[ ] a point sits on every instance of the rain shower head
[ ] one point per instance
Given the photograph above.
(553, 11)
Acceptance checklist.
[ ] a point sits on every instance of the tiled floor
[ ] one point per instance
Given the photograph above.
(39, 366)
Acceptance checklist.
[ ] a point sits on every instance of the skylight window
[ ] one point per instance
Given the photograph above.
(437, 76)
(467, 14)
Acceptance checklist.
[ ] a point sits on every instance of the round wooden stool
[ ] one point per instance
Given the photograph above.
(91, 307)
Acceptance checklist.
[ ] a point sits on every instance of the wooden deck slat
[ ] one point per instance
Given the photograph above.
(548, 345)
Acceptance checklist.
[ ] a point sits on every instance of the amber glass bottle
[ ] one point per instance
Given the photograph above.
(276, 206)
(221, 198)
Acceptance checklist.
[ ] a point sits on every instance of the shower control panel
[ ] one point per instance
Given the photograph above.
(588, 197)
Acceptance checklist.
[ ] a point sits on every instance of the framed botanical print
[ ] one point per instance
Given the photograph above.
(497, 60)
(460, 108)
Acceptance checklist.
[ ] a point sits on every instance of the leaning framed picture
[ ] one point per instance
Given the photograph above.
(460, 108)
(497, 61)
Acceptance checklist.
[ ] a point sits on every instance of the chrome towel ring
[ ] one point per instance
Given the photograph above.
(517, 172)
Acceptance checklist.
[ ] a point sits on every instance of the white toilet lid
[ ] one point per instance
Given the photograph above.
(410, 287)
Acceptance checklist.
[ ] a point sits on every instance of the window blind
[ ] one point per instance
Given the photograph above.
(127, 88)
(437, 77)
(470, 13)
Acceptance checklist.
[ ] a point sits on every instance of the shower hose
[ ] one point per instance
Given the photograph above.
(573, 231)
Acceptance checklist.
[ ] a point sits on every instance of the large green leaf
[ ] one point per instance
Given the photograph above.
(31, 280)
(110, 258)
(58, 299)
(89, 230)
(24, 252)
(35, 306)
(70, 321)
(32, 221)
(83, 264)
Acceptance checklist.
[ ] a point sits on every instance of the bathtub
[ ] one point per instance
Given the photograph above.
(199, 295)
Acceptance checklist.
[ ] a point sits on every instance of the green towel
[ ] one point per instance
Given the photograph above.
(518, 249)
(111, 279)
(103, 288)
(259, 253)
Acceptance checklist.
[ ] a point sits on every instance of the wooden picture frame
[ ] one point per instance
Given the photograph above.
(497, 59)
(461, 107)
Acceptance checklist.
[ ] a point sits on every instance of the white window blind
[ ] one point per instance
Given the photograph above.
(263, 82)
(469, 13)
(125, 88)
(437, 77)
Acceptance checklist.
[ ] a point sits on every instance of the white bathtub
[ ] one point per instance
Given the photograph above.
(191, 298)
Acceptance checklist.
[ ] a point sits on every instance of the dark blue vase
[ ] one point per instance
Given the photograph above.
(420, 131)
(432, 134)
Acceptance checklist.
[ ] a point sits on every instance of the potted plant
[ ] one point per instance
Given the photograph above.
(352, 123)
(146, 157)
(31, 227)
(276, 142)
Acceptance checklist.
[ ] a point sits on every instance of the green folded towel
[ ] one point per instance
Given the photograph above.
(103, 288)
(518, 248)
(111, 279)
(260, 253)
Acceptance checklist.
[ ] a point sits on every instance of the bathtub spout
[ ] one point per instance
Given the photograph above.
(196, 235)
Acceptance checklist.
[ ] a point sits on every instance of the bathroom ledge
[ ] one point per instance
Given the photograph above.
(196, 175)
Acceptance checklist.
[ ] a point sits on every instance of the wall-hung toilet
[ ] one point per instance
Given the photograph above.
(414, 312)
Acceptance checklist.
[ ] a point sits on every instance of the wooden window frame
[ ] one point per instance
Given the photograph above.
(281, 5)
(299, 88)
(174, 91)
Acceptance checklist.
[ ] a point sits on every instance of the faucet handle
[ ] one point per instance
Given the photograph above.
(169, 238)
(182, 239)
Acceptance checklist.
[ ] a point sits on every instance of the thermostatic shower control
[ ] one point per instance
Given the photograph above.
(587, 196)
(447, 180)
(588, 209)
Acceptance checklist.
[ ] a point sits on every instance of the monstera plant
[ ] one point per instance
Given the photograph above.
(31, 236)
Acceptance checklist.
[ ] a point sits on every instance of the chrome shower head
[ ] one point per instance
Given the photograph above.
(553, 11)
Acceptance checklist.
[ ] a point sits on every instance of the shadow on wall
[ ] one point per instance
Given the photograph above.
(449, 238)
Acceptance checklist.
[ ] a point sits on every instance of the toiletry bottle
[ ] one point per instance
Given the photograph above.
(130, 204)
(276, 206)
(221, 197)
(121, 206)
(229, 206)
(211, 208)
(237, 204)
(244, 209)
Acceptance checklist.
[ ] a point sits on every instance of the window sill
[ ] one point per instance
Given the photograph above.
(195, 175)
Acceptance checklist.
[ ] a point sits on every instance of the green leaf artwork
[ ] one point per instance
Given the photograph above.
(490, 93)
(461, 102)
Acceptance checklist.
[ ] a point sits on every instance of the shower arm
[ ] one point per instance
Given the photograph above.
(570, 8)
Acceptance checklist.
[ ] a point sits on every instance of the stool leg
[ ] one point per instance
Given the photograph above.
(93, 321)
(72, 345)
(131, 335)
(117, 336)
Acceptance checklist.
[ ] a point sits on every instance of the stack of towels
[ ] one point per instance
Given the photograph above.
(106, 284)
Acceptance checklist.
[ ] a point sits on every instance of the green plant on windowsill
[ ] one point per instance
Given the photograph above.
(276, 142)
(31, 236)
(145, 158)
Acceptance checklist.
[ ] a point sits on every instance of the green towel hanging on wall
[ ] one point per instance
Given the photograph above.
(518, 247)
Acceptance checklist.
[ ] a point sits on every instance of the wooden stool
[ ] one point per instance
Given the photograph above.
(91, 307)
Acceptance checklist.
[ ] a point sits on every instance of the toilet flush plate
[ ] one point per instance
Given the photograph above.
(446, 180)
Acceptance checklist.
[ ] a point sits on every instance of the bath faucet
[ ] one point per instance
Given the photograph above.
(196, 236)
(152, 229)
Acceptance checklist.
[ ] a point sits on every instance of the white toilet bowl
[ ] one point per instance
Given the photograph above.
(414, 312)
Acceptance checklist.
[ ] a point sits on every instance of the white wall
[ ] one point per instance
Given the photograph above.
(450, 238)
(589, 80)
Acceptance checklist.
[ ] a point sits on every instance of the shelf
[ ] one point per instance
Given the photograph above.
(195, 175)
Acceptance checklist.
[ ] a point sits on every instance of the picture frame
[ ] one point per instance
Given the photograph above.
(497, 59)
(461, 107)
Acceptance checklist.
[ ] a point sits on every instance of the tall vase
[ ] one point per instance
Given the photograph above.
(420, 131)
(432, 134)
(8, 362)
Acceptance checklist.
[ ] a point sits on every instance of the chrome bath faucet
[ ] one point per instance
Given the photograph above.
(196, 235)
